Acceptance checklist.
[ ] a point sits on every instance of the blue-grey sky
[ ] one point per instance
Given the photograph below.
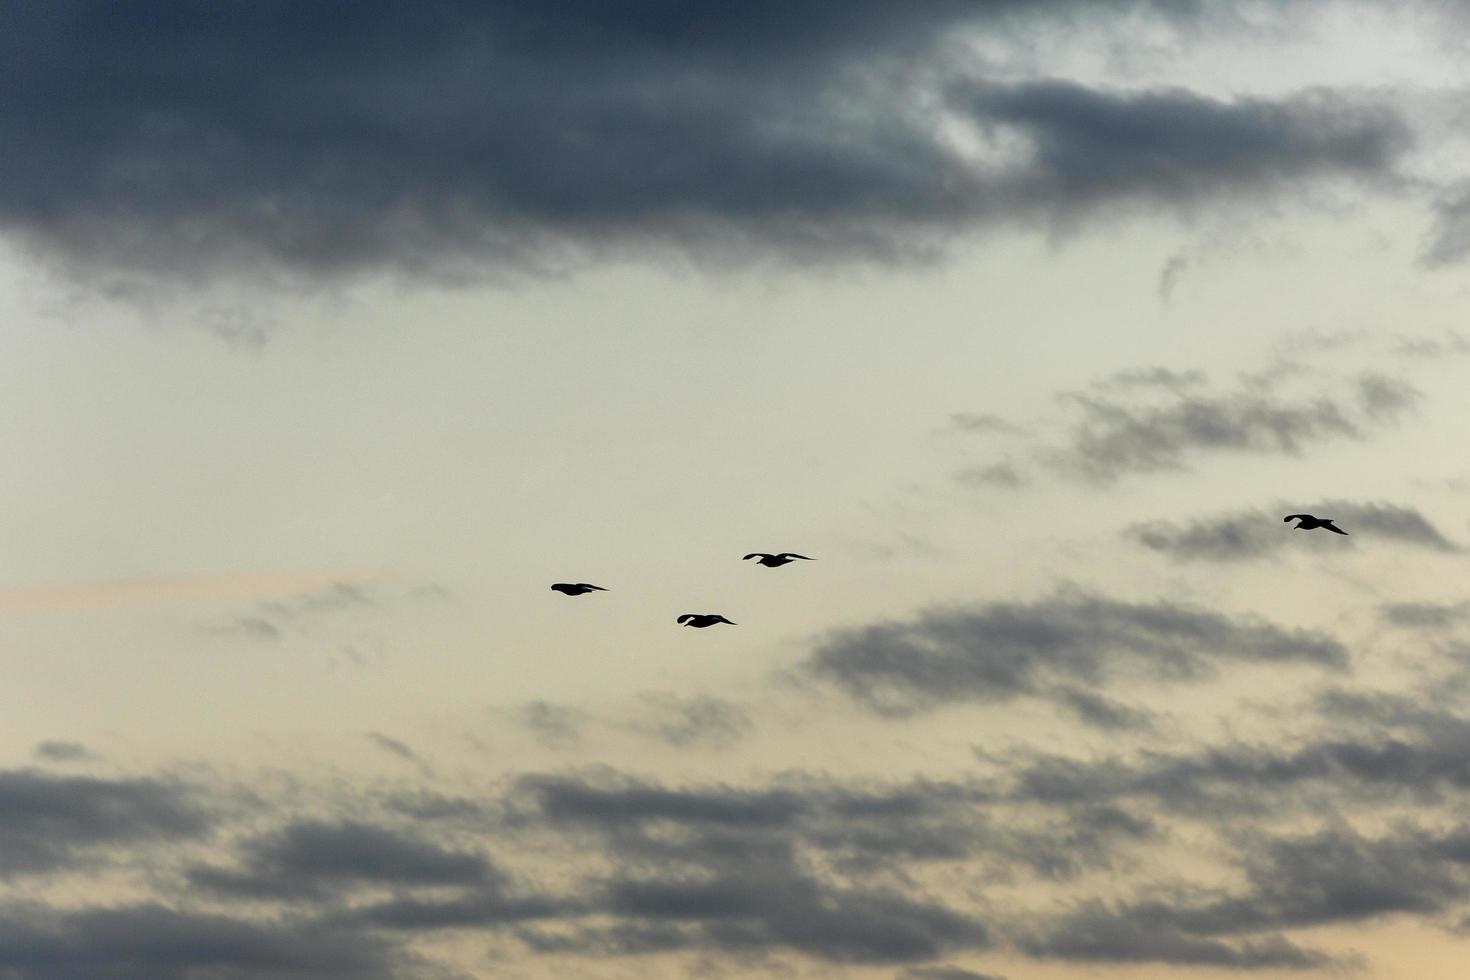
(335, 333)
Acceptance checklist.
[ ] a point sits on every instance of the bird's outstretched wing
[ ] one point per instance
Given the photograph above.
(686, 616)
(792, 554)
(1333, 527)
(756, 554)
(1292, 517)
(585, 585)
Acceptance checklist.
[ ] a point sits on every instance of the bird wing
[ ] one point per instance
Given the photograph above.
(1292, 517)
(722, 619)
(756, 554)
(792, 554)
(1333, 527)
(585, 585)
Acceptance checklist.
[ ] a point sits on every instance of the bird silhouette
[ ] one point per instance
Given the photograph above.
(700, 620)
(576, 588)
(776, 561)
(1308, 522)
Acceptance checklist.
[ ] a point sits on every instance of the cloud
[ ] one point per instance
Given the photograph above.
(51, 822)
(944, 973)
(1169, 276)
(697, 720)
(1003, 475)
(999, 651)
(394, 747)
(569, 799)
(1367, 750)
(475, 136)
(1098, 934)
(310, 859)
(1331, 876)
(982, 422)
(151, 941)
(53, 750)
(1450, 240)
(1425, 615)
(1101, 712)
(553, 724)
(1173, 146)
(187, 589)
(1252, 534)
(1116, 436)
(1158, 420)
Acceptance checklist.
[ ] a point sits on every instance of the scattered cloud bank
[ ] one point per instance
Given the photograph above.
(1154, 420)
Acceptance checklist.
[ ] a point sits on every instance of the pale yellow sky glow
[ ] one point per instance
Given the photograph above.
(331, 335)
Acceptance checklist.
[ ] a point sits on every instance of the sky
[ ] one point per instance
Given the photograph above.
(334, 333)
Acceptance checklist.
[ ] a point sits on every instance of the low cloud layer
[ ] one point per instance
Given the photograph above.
(1350, 815)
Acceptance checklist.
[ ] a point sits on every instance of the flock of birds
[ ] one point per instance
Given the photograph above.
(698, 620)
(1305, 522)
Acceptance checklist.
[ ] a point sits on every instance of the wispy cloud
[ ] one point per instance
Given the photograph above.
(1252, 534)
(1158, 420)
(193, 589)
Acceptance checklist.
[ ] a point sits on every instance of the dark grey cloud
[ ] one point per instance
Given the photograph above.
(155, 942)
(697, 720)
(842, 871)
(1332, 876)
(310, 859)
(1097, 711)
(1174, 146)
(577, 799)
(54, 750)
(1367, 750)
(1096, 933)
(1251, 534)
(999, 651)
(477, 908)
(49, 822)
(343, 137)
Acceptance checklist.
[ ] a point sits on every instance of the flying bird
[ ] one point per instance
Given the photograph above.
(776, 561)
(1308, 522)
(700, 620)
(576, 588)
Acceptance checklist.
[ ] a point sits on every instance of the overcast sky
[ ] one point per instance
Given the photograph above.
(334, 333)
